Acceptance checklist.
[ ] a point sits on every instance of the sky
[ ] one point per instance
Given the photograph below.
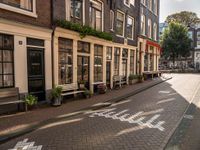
(168, 7)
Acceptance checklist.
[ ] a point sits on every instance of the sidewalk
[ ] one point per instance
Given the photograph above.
(187, 134)
(16, 124)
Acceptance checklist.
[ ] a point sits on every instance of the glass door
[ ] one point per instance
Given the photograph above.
(83, 70)
(36, 78)
(124, 67)
(108, 73)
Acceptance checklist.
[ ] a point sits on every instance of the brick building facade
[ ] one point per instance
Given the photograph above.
(46, 54)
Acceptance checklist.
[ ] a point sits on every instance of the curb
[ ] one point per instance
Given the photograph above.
(108, 103)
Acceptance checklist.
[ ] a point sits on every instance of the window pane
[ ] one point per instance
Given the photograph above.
(120, 24)
(35, 42)
(1, 82)
(1, 41)
(8, 80)
(7, 56)
(65, 61)
(1, 56)
(98, 60)
(130, 28)
(109, 53)
(125, 53)
(23, 4)
(96, 15)
(7, 68)
(83, 47)
(8, 42)
(1, 69)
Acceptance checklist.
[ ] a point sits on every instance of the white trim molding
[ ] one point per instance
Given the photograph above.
(19, 10)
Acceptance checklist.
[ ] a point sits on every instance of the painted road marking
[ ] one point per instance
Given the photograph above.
(166, 100)
(132, 119)
(25, 145)
(164, 92)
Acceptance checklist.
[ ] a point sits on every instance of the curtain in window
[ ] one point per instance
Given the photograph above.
(26, 4)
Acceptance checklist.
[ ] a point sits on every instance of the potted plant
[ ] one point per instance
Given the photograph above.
(56, 96)
(30, 101)
(102, 88)
(81, 84)
(132, 79)
(87, 93)
(140, 78)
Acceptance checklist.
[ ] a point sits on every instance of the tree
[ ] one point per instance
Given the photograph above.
(175, 42)
(189, 19)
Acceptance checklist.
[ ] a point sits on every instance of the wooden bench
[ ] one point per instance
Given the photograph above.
(151, 74)
(71, 89)
(118, 81)
(10, 96)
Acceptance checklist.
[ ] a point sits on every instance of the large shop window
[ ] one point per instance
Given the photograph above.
(65, 61)
(124, 61)
(116, 60)
(6, 61)
(83, 47)
(120, 23)
(132, 61)
(76, 9)
(146, 64)
(98, 63)
(96, 13)
(151, 62)
(22, 4)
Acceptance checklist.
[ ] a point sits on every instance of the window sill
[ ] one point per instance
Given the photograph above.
(18, 10)
(121, 36)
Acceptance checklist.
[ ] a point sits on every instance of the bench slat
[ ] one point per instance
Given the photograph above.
(70, 93)
(12, 102)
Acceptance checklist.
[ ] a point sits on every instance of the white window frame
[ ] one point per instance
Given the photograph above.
(102, 11)
(155, 29)
(156, 7)
(112, 16)
(128, 5)
(143, 2)
(143, 17)
(21, 11)
(133, 27)
(149, 31)
(132, 2)
(123, 22)
(68, 9)
(150, 2)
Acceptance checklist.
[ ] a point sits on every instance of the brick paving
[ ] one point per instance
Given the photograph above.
(187, 134)
(104, 132)
(22, 120)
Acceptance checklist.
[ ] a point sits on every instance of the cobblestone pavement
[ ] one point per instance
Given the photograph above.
(142, 122)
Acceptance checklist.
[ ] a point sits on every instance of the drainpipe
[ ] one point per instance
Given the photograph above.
(52, 42)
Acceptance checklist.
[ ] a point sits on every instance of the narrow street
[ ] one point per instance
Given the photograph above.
(145, 121)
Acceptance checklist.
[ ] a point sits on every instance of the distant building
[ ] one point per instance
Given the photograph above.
(193, 61)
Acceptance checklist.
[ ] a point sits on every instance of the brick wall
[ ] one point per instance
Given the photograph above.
(43, 9)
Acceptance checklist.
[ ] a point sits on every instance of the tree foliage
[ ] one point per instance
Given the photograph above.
(189, 19)
(175, 41)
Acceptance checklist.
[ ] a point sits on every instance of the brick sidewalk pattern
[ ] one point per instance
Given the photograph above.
(23, 120)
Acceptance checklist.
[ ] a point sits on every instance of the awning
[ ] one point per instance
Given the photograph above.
(153, 44)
